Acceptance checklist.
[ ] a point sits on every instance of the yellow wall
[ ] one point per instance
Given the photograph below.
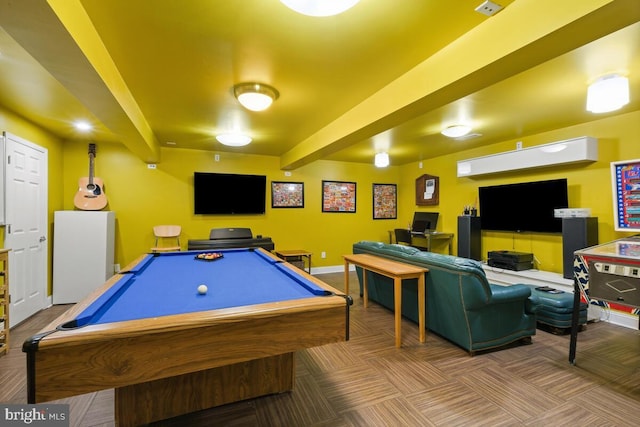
(143, 197)
(589, 185)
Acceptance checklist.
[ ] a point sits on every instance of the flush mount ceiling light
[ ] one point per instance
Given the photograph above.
(381, 160)
(456, 131)
(255, 96)
(319, 7)
(233, 139)
(608, 93)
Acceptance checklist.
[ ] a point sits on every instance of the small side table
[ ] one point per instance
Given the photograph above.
(398, 271)
(296, 257)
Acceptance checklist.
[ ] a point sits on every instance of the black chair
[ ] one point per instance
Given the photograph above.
(403, 237)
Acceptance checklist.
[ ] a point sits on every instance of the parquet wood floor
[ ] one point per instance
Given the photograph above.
(368, 382)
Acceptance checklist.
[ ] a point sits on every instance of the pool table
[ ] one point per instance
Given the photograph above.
(168, 350)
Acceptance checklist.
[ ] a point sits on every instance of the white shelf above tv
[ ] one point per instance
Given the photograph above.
(582, 149)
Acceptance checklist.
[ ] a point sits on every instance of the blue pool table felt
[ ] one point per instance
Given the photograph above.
(167, 284)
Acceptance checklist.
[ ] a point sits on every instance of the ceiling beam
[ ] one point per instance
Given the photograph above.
(523, 35)
(61, 37)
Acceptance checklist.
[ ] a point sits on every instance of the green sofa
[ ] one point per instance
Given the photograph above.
(462, 306)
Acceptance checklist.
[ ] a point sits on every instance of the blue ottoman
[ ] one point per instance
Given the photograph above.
(554, 308)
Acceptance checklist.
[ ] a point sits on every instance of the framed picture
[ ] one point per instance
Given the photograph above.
(427, 190)
(625, 180)
(338, 196)
(385, 201)
(287, 194)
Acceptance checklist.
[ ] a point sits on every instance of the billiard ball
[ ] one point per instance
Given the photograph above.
(202, 289)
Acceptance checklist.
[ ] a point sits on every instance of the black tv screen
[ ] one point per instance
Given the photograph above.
(220, 193)
(526, 206)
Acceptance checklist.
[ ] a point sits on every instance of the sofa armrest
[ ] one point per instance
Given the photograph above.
(531, 306)
(507, 294)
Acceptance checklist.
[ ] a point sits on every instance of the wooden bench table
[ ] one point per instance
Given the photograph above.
(397, 271)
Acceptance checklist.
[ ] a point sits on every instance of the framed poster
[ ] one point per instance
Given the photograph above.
(287, 194)
(385, 201)
(338, 196)
(427, 190)
(625, 179)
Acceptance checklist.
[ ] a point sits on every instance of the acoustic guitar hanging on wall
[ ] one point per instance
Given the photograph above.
(90, 195)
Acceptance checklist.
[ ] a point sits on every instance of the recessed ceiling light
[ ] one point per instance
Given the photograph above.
(83, 126)
(233, 139)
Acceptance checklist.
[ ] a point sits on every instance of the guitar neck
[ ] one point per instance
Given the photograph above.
(91, 157)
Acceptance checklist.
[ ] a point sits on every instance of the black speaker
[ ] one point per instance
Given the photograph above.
(469, 237)
(577, 233)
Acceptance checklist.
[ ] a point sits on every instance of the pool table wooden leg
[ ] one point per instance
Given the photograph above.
(169, 397)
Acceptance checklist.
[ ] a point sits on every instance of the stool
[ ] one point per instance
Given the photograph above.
(555, 309)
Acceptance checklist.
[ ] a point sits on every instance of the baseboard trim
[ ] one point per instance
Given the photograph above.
(330, 269)
(602, 314)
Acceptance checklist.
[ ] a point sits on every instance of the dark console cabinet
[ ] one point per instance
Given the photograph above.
(230, 238)
(469, 237)
(577, 233)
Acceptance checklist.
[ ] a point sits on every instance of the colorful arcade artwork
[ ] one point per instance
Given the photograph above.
(338, 196)
(625, 177)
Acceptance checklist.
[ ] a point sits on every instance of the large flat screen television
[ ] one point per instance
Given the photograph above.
(222, 193)
(526, 206)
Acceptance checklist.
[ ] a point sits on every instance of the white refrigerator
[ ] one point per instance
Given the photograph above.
(83, 253)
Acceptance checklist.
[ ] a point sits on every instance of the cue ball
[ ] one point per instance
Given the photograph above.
(202, 289)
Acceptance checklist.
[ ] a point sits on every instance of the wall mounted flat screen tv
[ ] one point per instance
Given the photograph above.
(523, 207)
(228, 194)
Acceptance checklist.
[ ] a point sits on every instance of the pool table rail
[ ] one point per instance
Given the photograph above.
(67, 366)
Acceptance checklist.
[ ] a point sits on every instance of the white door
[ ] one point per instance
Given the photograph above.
(26, 226)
